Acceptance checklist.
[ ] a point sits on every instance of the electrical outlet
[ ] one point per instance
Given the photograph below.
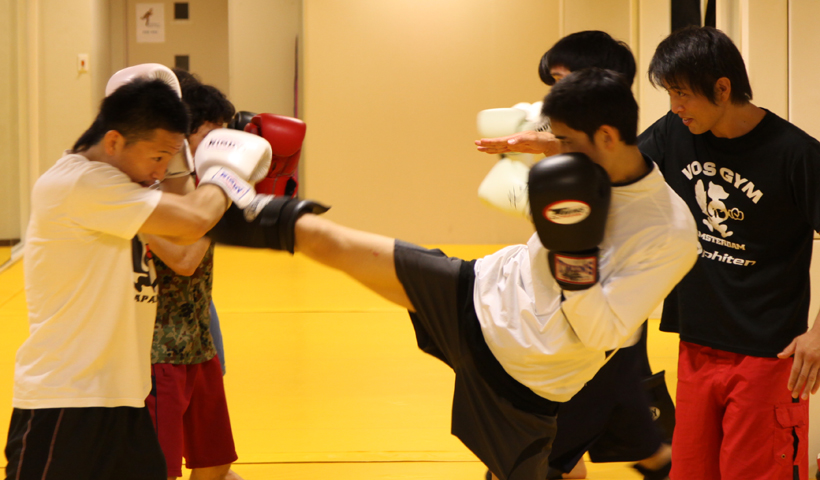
(82, 63)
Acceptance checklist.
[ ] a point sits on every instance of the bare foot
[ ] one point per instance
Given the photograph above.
(233, 476)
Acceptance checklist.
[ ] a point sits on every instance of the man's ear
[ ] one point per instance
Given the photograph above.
(607, 137)
(113, 142)
(723, 90)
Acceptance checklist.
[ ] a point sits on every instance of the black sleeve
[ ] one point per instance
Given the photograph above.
(805, 178)
(652, 141)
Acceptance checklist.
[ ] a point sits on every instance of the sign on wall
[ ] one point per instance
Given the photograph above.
(150, 23)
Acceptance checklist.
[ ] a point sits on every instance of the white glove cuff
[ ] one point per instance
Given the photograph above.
(238, 190)
(181, 164)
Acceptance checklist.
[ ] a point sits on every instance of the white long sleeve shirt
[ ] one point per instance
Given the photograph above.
(554, 347)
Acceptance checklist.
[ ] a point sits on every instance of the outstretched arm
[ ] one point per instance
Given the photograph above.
(522, 142)
(366, 257)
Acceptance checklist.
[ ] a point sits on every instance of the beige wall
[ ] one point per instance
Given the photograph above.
(654, 20)
(65, 96)
(204, 38)
(765, 48)
(262, 54)
(392, 90)
(760, 29)
(804, 66)
(9, 183)
(46, 103)
(612, 16)
(27, 141)
(50, 102)
(102, 44)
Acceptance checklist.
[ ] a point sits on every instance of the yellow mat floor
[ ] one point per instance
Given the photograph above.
(324, 378)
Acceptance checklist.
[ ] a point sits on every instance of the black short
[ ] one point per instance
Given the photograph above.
(610, 417)
(504, 423)
(93, 443)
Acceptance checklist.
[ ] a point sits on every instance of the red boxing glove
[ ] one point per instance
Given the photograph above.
(285, 135)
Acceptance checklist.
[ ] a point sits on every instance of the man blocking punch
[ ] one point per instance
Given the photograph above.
(525, 328)
(82, 375)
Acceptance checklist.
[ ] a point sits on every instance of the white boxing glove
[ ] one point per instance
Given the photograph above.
(500, 122)
(505, 187)
(533, 111)
(234, 161)
(145, 70)
(181, 164)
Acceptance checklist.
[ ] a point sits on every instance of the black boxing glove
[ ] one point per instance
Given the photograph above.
(569, 200)
(268, 222)
(241, 119)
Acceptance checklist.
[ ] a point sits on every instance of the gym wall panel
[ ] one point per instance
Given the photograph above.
(27, 144)
(53, 103)
(9, 180)
(102, 48)
(654, 25)
(64, 97)
(204, 38)
(262, 54)
(760, 29)
(765, 48)
(728, 18)
(612, 16)
(804, 66)
(392, 90)
(118, 35)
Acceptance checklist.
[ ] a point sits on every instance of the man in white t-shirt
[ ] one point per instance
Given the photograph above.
(520, 341)
(82, 376)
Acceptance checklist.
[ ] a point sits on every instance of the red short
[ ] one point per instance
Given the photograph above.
(736, 419)
(190, 415)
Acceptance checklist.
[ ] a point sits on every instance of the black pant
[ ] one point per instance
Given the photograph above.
(94, 443)
(504, 423)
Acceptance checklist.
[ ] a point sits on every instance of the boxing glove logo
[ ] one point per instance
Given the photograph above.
(225, 144)
(231, 182)
(574, 271)
(567, 212)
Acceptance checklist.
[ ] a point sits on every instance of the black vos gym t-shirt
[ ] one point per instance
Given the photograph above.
(756, 201)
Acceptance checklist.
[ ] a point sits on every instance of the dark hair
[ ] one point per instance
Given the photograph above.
(205, 102)
(696, 57)
(136, 110)
(591, 48)
(589, 98)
